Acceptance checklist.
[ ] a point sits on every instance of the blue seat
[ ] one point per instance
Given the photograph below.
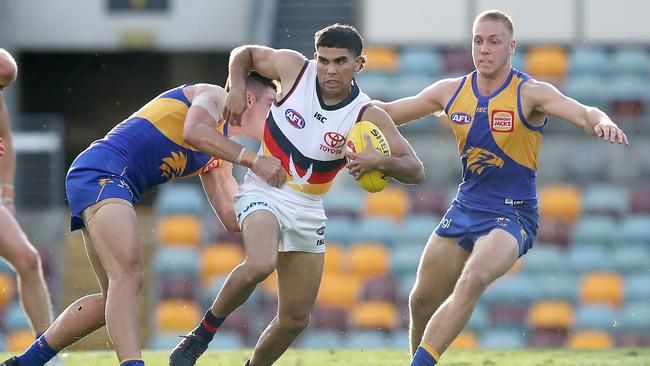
(16, 318)
(605, 199)
(376, 84)
(587, 162)
(418, 228)
(589, 259)
(594, 317)
(502, 338)
(321, 339)
(365, 339)
(408, 85)
(480, 319)
(595, 230)
(180, 198)
(588, 89)
(632, 259)
(399, 339)
(562, 286)
(544, 259)
(226, 339)
(637, 287)
(404, 259)
(381, 229)
(627, 88)
(420, 61)
(170, 261)
(339, 230)
(588, 61)
(635, 230)
(631, 61)
(405, 283)
(635, 317)
(515, 288)
(344, 202)
(164, 341)
(518, 60)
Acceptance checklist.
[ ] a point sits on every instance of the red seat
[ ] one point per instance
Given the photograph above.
(547, 338)
(640, 199)
(382, 287)
(506, 314)
(325, 317)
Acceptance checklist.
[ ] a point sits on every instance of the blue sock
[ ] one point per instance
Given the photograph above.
(37, 354)
(423, 357)
(132, 362)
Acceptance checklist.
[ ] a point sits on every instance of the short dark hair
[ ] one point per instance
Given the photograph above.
(256, 82)
(340, 36)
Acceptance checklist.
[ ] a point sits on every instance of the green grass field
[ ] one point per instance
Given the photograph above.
(624, 357)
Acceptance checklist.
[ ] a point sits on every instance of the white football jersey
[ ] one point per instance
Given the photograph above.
(309, 136)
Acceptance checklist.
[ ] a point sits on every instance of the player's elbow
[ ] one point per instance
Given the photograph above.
(192, 136)
(416, 173)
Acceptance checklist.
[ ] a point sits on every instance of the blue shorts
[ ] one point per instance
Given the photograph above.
(95, 175)
(468, 223)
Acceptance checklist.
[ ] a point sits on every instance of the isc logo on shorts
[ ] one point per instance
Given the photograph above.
(503, 121)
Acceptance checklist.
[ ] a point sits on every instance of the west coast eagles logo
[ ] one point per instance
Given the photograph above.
(173, 166)
(478, 159)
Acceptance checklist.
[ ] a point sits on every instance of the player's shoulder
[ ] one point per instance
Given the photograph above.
(447, 86)
(209, 91)
(536, 89)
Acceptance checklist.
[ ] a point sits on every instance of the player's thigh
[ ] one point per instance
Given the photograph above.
(261, 233)
(440, 267)
(113, 228)
(13, 242)
(95, 262)
(494, 254)
(299, 276)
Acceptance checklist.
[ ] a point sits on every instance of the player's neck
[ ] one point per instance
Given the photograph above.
(487, 84)
(335, 98)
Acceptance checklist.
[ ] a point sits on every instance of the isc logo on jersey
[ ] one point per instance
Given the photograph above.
(334, 143)
(460, 118)
(294, 118)
(503, 121)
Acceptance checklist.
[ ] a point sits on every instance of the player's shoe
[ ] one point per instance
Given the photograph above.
(188, 351)
(10, 362)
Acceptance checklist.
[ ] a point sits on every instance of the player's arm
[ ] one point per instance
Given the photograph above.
(547, 99)
(430, 100)
(200, 131)
(220, 187)
(282, 65)
(8, 162)
(403, 164)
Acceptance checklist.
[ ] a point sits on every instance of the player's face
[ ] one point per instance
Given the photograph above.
(256, 112)
(492, 46)
(336, 68)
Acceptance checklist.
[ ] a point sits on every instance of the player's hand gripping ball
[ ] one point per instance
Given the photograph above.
(375, 180)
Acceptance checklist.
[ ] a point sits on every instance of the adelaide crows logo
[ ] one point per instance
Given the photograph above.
(478, 159)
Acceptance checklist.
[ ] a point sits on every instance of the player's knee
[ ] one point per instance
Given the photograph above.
(132, 276)
(258, 270)
(419, 305)
(473, 282)
(28, 262)
(295, 323)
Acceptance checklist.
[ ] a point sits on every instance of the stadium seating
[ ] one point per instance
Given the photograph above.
(637, 287)
(339, 290)
(418, 228)
(334, 258)
(178, 199)
(465, 340)
(420, 61)
(330, 318)
(425, 200)
(602, 288)
(19, 340)
(605, 199)
(379, 288)
(392, 202)
(560, 202)
(594, 230)
(550, 315)
(179, 230)
(635, 230)
(344, 202)
(592, 339)
(630, 61)
(175, 261)
(594, 317)
(632, 259)
(219, 258)
(340, 230)
(502, 338)
(7, 290)
(381, 59)
(588, 61)
(375, 315)
(547, 62)
(367, 259)
(321, 339)
(543, 259)
(366, 339)
(176, 316)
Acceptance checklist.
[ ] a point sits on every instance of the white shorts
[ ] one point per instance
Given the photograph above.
(302, 222)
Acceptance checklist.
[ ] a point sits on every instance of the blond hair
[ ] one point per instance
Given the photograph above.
(496, 16)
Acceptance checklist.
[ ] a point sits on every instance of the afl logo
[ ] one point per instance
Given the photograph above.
(460, 118)
(334, 140)
(294, 118)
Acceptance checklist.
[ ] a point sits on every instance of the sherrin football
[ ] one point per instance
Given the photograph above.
(376, 180)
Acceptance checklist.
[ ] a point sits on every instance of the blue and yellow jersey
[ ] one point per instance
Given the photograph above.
(150, 142)
(497, 146)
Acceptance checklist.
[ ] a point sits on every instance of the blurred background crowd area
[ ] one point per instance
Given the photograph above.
(87, 64)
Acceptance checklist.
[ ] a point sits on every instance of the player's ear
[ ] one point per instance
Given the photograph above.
(250, 98)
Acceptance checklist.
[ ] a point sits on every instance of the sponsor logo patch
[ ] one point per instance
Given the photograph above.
(294, 118)
(321, 231)
(460, 118)
(503, 121)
